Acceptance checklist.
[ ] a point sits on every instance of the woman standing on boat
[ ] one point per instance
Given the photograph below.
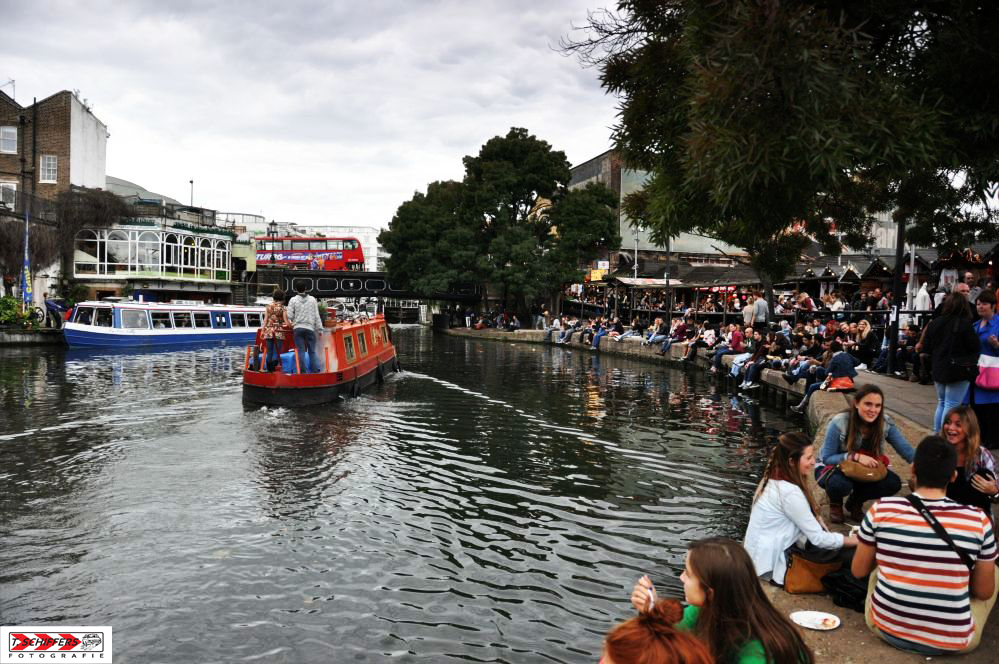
(275, 323)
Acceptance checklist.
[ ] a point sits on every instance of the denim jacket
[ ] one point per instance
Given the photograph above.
(834, 445)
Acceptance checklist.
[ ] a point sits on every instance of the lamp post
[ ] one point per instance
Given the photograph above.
(192, 193)
(272, 233)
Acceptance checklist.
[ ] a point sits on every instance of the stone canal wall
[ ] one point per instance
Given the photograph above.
(852, 642)
(12, 337)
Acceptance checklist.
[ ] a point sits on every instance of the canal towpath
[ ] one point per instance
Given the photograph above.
(911, 405)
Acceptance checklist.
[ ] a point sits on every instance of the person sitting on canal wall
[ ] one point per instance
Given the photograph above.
(303, 312)
(784, 511)
(975, 483)
(272, 331)
(733, 345)
(926, 597)
(808, 360)
(658, 333)
(681, 331)
(556, 325)
(569, 330)
(706, 337)
(638, 326)
(858, 434)
(836, 374)
(766, 350)
(728, 609)
(651, 638)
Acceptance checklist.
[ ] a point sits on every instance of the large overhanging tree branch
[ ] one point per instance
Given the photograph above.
(766, 124)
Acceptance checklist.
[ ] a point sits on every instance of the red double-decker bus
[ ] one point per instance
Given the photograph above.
(311, 253)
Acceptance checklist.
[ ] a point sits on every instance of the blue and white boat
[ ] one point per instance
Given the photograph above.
(128, 324)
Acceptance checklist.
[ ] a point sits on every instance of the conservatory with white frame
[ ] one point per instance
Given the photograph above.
(124, 252)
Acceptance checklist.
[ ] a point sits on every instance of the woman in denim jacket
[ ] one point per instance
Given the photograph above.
(858, 434)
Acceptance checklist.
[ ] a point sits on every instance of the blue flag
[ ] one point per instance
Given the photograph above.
(26, 270)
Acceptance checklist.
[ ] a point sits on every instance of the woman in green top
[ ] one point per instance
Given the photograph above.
(728, 609)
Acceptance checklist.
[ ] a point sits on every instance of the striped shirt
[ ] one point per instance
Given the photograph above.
(922, 593)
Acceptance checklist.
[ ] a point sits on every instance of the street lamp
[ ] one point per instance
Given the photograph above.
(272, 233)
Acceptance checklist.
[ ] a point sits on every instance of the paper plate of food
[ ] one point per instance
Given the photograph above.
(819, 620)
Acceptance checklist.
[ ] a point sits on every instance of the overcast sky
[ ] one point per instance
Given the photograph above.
(308, 111)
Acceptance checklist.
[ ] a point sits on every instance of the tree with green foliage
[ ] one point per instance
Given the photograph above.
(511, 224)
(767, 125)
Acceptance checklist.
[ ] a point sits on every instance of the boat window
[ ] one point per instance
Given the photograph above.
(253, 320)
(376, 336)
(385, 333)
(238, 320)
(85, 315)
(219, 319)
(161, 320)
(348, 347)
(202, 319)
(134, 319)
(102, 317)
(362, 343)
(182, 319)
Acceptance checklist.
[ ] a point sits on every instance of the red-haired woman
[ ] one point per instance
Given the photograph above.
(651, 638)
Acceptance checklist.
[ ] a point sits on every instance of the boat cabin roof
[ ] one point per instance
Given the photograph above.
(131, 304)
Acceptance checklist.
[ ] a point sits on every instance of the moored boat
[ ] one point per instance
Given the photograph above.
(128, 323)
(352, 356)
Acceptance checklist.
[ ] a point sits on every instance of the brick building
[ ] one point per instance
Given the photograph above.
(49, 146)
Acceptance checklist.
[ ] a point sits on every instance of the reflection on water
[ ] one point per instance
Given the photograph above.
(492, 503)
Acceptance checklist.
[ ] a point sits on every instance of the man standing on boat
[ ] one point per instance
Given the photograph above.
(303, 312)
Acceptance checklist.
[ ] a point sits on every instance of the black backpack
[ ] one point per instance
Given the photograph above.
(845, 589)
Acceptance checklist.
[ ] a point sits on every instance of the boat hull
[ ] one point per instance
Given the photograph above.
(294, 390)
(76, 337)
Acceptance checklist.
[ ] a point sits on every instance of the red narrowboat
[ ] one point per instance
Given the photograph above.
(352, 356)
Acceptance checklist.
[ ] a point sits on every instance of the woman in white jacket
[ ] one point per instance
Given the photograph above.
(784, 512)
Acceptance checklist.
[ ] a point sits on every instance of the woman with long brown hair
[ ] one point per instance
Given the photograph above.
(975, 484)
(858, 434)
(784, 510)
(651, 638)
(728, 610)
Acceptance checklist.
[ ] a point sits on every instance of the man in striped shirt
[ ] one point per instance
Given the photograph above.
(923, 598)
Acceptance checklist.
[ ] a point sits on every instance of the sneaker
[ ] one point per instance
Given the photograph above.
(913, 378)
(752, 386)
(861, 367)
(900, 374)
(713, 370)
(799, 408)
(742, 385)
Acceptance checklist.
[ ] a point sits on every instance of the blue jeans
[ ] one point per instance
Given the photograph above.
(839, 486)
(716, 359)
(305, 342)
(656, 338)
(949, 395)
(601, 333)
(273, 353)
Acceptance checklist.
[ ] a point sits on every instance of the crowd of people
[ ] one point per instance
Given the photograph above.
(925, 593)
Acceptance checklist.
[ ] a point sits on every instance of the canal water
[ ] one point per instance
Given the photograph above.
(494, 502)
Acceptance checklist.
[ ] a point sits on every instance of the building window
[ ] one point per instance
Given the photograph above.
(8, 194)
(47, 170)
(8, 140)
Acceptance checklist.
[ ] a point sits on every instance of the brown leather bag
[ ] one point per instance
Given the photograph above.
(858, 472)
(804, 575)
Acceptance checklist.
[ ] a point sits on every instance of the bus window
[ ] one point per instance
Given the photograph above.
(336, 244)
(103, 317)
(350, 244)
(317, 244)
(85, 315)
(182, 319)
(202, 319)
(300, 245)
(134, 319)
(286, 245)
